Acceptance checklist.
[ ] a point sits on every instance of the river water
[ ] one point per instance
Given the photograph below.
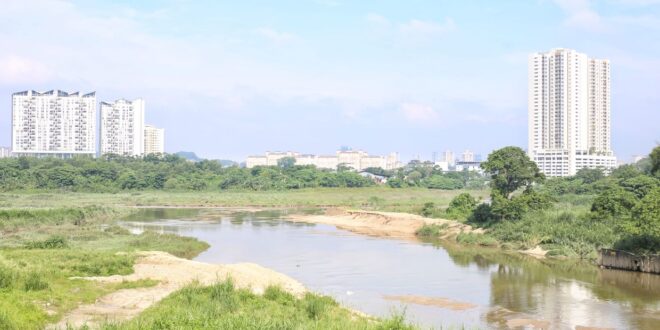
(498, 289)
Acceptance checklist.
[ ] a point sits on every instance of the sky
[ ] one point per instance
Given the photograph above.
(227, 79)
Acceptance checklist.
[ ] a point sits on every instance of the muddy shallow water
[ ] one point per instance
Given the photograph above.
(434, 284)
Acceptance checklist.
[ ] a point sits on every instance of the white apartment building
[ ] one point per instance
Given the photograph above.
(358, 160)
(154, 140)
(5, 152)
(569, 112)
(53, 123)
(448, 157)
(122, 128)
(467, 156)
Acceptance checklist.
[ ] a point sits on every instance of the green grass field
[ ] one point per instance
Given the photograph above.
(381, 198)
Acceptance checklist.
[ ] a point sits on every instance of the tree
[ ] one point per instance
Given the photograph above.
(614, 202)
(589, 175)
(624, 172)
(286, 162)
(655, 161)
(510, 169)
(645, 218)
(640, 185)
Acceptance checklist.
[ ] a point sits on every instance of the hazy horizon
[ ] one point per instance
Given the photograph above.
(229, 79)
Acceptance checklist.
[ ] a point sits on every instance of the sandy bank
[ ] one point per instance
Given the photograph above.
(383, 224)
(172, 273)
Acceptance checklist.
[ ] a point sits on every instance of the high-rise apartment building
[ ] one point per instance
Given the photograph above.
(467, 156)
(53, 123)
(448, 157)
(569, 112)
(122, 128)
(154, 140)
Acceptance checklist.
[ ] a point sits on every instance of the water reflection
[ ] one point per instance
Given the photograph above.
(504, 286)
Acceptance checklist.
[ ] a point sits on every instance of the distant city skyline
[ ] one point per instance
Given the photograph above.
(227, 79)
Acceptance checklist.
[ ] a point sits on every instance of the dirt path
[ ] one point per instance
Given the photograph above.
(382, 224)
(172, 274)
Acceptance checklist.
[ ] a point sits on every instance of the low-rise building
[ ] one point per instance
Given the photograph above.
(357, 160)
(5, 152)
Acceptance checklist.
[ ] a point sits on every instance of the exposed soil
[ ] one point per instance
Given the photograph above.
(382, 224)
(432, 301)
(172, 273)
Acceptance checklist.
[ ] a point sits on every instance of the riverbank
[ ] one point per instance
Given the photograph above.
(383, 224)
(171, 274)
(74, 265)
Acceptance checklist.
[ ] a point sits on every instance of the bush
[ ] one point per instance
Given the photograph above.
(461, 206)
(432, 230)
(481, 214)
(54, 242)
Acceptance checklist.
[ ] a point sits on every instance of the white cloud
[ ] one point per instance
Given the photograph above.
(580, 14)
(276, 36)
(417, 27)
(418, 113)
(15, 69)
(377, 19)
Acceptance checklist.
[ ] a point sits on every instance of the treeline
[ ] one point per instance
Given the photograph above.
(113, 173)
(429, 175)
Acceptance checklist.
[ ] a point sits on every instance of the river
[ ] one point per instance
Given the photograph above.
(435, 284)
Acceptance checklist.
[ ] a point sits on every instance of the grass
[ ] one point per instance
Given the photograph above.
(431, 230)
(381, 198)
(41, 249)
(222, 306)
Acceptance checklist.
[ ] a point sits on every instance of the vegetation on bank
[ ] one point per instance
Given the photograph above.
(572, 216)
(222, 306)
(40, 249)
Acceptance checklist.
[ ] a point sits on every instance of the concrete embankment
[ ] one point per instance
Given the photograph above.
(628, 261)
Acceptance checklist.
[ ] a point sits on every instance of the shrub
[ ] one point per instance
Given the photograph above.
(481, 214)
(428, 210)
(54, 242)
(432, 230)
(461, 206)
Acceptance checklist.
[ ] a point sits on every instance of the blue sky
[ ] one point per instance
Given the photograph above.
(232, 78)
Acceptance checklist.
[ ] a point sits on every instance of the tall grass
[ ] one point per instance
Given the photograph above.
(14, 219)
(222, 306)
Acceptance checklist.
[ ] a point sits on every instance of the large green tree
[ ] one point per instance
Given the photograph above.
(511, 169)
(655, 161)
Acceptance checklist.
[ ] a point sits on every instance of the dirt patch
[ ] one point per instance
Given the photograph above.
(527, 323)
(537, 252)
(581, 327)
(382, 224)
(172, 273)
(432, 301)
(508, 319)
